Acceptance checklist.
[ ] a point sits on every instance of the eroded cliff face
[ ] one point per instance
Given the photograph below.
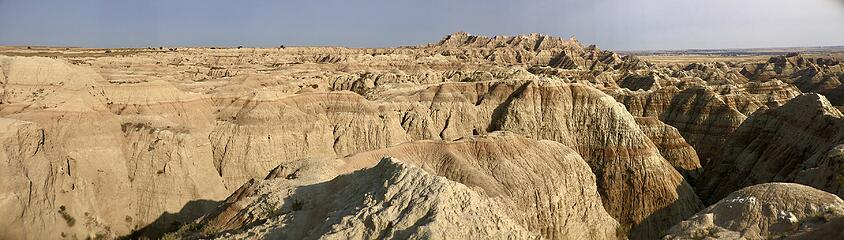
(24, 210)
(705, 113)
(672, 147)
(797, 142)
(578, 116)
(257, 133)
(76, 170)
(139, 143)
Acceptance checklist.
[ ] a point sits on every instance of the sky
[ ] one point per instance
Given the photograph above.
(611, 24)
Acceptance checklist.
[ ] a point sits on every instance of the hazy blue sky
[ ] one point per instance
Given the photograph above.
(612, 24)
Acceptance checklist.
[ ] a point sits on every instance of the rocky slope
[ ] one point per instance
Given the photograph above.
(705, 113)
(808, 74)
(534, 49)
(256, 133)
(575, 115)
(672, 146)
(139, 142)
(74, 169)
(764, 211)
(578, 116)
(397, 200)
(541, 186)
(798, 142)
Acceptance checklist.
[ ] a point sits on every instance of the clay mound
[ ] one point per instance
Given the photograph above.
(797, 142)
(764, 211)
(389, 200)
(543, 186)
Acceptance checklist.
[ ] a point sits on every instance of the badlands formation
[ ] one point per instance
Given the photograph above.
(472, 137)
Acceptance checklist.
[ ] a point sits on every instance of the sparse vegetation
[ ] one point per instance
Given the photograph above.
(193, 230)
(708, 233)
(67, 218)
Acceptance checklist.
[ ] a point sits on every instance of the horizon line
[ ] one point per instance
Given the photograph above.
(223, 46)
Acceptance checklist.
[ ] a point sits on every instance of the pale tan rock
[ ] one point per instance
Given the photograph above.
(533, 49)
(542, 186)
(260, 132)
(389, 200)
(337, 124)
(764, 211)
(450, 111)
(25, 214)
(211, 119)
(77, 170)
